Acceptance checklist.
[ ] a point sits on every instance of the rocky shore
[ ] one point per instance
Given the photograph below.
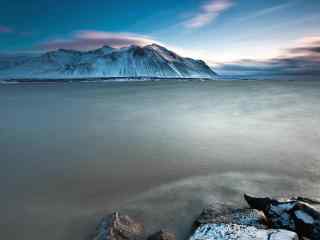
(264, 219)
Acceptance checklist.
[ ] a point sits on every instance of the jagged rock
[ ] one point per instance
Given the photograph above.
(292, 215)
(118, 227)
(162, 235)
(227, 214)
(240, 232)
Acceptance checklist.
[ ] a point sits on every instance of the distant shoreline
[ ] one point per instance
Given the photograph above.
(145, 79)
(98, 79)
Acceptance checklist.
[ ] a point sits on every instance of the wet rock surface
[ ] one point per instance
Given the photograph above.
(118, 227)
(228, 215)
(240, 232)
(292, 214)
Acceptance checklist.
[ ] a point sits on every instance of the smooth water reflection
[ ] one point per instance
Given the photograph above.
(158, 150)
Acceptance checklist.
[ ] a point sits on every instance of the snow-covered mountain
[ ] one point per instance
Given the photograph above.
(134, 61)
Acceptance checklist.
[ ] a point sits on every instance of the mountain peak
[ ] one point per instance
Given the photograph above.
(107, 47)
(66, 50)
(164, 52)
(134, 46)
(61, 51)
(155, 45)
(104, 50)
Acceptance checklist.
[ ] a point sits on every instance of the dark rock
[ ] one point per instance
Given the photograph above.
(258, 203)
(118, 227)
(162, 235)
(294, 215)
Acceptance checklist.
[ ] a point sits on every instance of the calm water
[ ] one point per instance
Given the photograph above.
(70, 153)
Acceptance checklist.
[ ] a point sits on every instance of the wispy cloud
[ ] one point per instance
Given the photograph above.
(87, 40)
(208, 13)
(5, 29)
(303, 59)
(268, 11)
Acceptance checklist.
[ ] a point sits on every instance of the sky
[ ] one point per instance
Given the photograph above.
(217, 31)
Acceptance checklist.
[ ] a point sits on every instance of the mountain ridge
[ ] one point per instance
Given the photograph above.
(133, 61)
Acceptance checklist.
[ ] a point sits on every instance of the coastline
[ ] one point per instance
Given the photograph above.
(264, 219)
(155, 79)
(95, 80)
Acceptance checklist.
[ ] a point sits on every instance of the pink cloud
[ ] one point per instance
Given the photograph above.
(88, 40)
(306, 47)
(4, 29)
(208, 13)
(301, 59)
(310, 40)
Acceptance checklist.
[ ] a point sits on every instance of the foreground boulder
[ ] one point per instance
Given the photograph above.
(225, 214)
(223, 231)
(162, 235)
(294, 215)
(118, 227)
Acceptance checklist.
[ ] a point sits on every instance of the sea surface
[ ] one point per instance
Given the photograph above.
(157, 150)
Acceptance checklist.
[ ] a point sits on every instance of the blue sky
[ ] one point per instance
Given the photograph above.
(214, 30)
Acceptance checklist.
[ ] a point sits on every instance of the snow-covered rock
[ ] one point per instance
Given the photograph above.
(222, 231)
(291, 214)
(134, 61)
